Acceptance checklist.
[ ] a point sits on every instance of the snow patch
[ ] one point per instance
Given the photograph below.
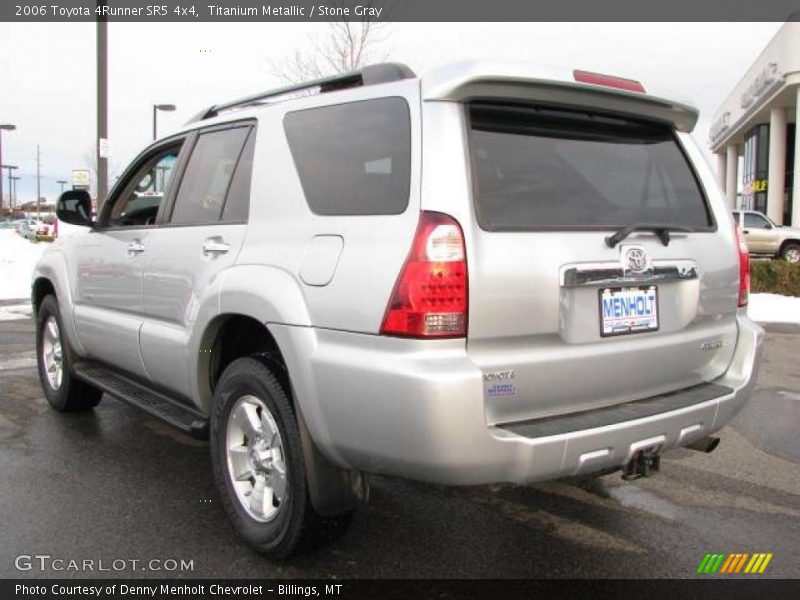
(18, 256)
(773, 308)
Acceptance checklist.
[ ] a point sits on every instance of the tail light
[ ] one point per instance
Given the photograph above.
(429, 299)
(744, 268)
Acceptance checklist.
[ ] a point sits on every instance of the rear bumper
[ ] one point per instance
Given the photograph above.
(416, 410)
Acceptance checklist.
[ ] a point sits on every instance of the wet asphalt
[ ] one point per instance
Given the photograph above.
(115, 484)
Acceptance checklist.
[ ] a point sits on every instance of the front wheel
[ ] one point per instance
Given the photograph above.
(258, 462)
(791, 253)
(54, 357)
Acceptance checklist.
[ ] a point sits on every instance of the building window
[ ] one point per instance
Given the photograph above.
(754, 178)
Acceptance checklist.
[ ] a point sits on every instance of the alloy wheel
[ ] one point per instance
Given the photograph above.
(52, 353)
(255, 459)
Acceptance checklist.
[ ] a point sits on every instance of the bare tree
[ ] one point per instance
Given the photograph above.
(346, 46)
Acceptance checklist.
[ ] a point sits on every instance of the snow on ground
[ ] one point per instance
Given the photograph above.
(774, 308)
(17, 259)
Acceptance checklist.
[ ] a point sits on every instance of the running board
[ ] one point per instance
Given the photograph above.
(173, 412)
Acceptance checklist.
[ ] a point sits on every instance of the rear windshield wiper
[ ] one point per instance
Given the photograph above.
(662, 231)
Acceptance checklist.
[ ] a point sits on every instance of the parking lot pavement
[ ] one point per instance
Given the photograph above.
(116, 484)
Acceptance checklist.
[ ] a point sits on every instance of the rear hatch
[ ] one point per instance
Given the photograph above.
(559, 320)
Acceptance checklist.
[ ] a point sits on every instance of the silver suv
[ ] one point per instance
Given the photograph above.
(487, 274)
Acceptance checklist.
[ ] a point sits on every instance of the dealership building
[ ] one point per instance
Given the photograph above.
(758, 122)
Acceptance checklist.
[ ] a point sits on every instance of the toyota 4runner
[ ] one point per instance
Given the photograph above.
(488, 274)
(764, 238)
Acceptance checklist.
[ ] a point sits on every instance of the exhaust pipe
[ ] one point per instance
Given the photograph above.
(707, 444)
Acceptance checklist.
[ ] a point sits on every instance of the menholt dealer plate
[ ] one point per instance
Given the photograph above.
(628, 310)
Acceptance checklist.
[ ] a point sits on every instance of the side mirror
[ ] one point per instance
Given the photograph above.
(75, 207)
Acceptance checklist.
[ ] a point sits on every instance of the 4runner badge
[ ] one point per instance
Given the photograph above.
(498, 376)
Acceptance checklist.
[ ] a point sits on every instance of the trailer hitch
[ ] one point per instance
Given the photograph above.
(643, 464)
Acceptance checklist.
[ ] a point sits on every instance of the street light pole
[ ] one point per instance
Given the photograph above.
(156, 108)
(6, 127)
(62, 183)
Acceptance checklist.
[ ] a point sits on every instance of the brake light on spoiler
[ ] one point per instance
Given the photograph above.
(620, 83)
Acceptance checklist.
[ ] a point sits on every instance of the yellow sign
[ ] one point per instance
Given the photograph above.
(752, 187)
(80, 179)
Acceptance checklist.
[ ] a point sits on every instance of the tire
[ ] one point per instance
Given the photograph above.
(791, 253)
(255, 439)
(55, 358)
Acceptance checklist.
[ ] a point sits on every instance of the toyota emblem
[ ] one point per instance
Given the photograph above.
(636, 260)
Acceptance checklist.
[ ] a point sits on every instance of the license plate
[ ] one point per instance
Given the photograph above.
(628, 310)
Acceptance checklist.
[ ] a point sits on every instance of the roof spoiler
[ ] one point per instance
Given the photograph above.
(481, 80)
(369, 75)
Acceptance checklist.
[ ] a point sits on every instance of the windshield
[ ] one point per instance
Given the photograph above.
(541, 168)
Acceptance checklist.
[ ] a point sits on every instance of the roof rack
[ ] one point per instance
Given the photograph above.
(369, 75)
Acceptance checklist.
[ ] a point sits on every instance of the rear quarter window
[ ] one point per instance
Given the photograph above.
(354, 158)
(538, 168)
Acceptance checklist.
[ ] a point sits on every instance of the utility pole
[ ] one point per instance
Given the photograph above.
(3, 127)
(102, 107)
(62, 183)
(10, 169)
(38, 185)
(14, 180)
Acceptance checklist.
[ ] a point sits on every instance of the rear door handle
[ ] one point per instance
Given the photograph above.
(135, 247)
(213, 246)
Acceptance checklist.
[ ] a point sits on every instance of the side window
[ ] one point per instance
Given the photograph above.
(753, 221)
(141, 196)
(202, 191)
(238, 201)
(354, 158)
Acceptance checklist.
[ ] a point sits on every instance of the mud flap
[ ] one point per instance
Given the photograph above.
(332, 491)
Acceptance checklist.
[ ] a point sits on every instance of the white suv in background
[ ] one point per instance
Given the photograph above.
(764, 238)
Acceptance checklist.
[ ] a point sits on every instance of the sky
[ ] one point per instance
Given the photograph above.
(48, 87)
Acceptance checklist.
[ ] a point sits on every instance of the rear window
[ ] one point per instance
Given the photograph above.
(353, 159)
(539, 168)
